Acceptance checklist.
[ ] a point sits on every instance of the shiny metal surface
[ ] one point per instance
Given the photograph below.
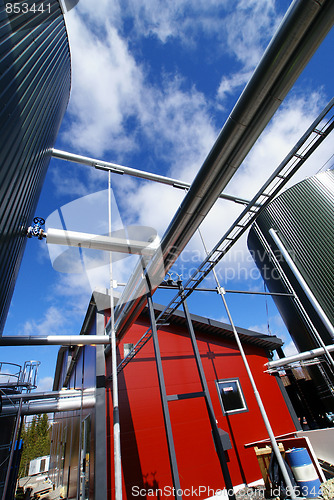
(35, 79)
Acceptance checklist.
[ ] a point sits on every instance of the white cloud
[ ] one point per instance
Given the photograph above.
(105, 88)
(289, 348)
(231, 83)
(276, 327)
(110, 85)
(54, 321)
(44, 384)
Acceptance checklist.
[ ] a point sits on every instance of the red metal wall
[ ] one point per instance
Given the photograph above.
(145, 461)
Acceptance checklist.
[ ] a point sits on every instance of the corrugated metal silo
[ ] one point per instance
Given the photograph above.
(303, 218)
(35, 77)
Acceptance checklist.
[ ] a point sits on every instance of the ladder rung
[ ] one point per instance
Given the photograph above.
(187, 395)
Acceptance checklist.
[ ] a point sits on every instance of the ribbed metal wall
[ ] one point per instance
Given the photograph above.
(304, 218)
(35, 79)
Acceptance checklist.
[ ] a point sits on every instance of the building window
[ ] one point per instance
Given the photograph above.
(231, 396)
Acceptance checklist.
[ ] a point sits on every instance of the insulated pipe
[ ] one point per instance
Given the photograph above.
(120, 169)
(100, 242)
(306, 289)
(70, 404)
(54, 340)
(313, 353)
(302, 30)
(66, 393)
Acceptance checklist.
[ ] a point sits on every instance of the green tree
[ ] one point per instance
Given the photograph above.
(36, 441)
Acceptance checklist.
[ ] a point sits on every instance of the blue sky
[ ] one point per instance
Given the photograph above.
(152, 84)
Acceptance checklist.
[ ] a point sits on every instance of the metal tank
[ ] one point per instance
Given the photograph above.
(302, 218)
(35, 79)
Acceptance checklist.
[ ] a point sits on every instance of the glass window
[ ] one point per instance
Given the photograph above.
(231, 396)
(127, 349)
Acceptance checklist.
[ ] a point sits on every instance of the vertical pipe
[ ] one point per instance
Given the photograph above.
(12, 449)
(168, 425)
(271, 435)
(306, 289)
(116, 420)
(213, 422)
(274, 444)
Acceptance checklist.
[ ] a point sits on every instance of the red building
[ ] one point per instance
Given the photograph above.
(82, 448)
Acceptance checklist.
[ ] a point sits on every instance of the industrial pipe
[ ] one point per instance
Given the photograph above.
(133, 172)
(306, 289)
(313, 353)
(100, 242)
(70, 404)
(54, 340)
(65, 393)
(302, 30)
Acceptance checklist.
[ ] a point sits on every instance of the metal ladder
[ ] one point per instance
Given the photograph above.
(165, 399)
(307, 144)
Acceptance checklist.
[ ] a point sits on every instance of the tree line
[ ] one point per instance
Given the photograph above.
(36, 441)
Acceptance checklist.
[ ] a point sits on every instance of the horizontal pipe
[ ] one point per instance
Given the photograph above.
(66, 393)
(54, 340)
(216, 290)
(313, 353)
(302, 30)
(120, 169)
(70, 404)
(100, 242)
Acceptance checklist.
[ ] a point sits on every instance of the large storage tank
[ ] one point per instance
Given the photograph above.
(35, 79)
(303, 217)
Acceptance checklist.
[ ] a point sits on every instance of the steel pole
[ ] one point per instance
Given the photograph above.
(263, 412)
(164, 402)
(306, 289)
(273, 441)
(214, 427)
(11, 455)
(116, 419)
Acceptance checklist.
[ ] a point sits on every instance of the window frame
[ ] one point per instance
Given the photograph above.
(241, 393)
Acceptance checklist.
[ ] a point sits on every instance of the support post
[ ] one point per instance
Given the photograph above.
(11, 455)
(116, 420)
(263, 412)
(306, 289)
(274, 444)
(213, 422)
(164, 401)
